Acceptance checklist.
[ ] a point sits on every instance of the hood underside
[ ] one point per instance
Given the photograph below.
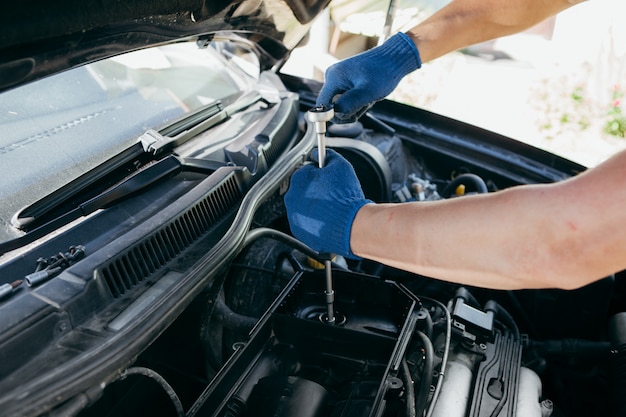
(40, 38)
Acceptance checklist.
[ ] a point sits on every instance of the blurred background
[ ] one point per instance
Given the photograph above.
(559, 86)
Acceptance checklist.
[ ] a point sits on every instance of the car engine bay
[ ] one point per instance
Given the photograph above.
(268, 333)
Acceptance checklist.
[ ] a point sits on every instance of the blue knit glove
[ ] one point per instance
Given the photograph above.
(322, 203)
(368, 77)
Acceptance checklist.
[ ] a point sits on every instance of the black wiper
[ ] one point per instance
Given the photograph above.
(103, 176)
(66, 205)
(138, 181)
(157, 142)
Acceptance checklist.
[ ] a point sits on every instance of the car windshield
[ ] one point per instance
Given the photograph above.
(58, 128)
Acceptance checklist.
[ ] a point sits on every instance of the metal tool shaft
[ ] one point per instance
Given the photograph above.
(330, 294)
(320, 116)
(321, 149)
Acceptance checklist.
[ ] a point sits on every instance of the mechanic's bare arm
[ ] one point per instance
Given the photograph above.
(561, 235)
(354, 84)
(466, 22)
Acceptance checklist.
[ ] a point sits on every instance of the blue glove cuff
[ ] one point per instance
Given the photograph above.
(401, 50)
(340, 230)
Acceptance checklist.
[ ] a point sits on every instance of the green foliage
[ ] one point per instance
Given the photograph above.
(565, 110)
(616, 122)
(572, 110)
(577, 94)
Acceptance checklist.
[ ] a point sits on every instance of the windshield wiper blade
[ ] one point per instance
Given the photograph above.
(138, 181)
(156, 142)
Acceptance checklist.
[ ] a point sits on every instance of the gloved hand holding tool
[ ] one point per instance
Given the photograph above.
(368, 77)
(322, 204)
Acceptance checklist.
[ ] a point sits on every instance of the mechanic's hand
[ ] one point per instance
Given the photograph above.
(322, 203)
(368, 77)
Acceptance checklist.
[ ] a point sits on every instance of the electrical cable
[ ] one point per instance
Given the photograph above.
(444, 359)
(504, 315)
(410, 389)
(147, 372)
(260, 232)
(521, 314)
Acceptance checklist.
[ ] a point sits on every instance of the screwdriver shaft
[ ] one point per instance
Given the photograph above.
(330, 293)
(321, 149)
(320, 116)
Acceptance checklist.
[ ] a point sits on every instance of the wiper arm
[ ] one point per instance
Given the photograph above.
(152, 142)
(156, 142)
(131, 185)
(136, 182)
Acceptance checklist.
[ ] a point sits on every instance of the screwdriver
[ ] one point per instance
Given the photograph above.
(319, 116)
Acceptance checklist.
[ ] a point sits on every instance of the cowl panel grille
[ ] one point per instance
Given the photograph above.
(146, 257)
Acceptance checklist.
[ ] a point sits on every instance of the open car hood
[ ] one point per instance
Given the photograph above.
(40, 38)
(157, 275)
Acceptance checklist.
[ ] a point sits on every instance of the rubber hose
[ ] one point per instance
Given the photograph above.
(428, 322)
(504, 316)
(147, 372)
(474, 179)
(444, 359)
(467, 296)
(427, 374)
(410, 389)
